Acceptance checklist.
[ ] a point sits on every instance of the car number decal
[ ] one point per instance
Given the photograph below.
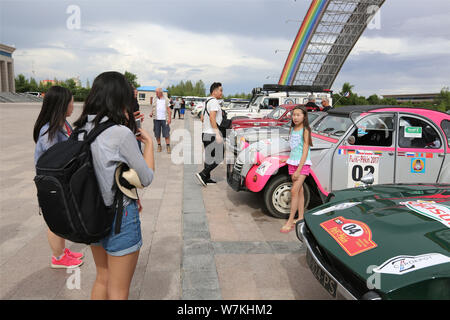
(353, 236)
(430, 209)
(359, 165)
(403, 264)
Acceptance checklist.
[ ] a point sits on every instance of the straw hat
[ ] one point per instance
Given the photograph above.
(127, 181)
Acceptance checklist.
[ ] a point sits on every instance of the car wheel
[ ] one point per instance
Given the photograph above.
(277, 196)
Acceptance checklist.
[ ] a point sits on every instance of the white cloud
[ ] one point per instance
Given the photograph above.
(158, 55)
(407, 47)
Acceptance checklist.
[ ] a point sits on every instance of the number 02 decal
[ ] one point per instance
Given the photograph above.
(361, 165)
(359, 171)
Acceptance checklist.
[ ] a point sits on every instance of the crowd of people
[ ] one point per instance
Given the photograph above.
(113, 99)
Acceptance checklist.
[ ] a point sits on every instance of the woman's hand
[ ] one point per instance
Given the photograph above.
(139, 115)
(296, 176)
(144, 137)
(283, 160)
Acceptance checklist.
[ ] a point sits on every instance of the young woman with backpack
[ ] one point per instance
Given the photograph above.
(115, 256)
(50, 128)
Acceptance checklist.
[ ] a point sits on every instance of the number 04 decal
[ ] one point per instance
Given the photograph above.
(361, 165)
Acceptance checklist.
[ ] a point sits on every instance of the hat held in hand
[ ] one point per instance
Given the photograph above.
(127, 181)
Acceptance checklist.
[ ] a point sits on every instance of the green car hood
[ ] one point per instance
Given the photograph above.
(397, 230)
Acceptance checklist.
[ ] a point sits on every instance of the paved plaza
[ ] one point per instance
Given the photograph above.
(199, 243)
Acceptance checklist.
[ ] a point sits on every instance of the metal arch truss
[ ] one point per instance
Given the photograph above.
(341, 25)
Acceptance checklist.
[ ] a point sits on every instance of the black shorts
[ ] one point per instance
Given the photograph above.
(161, 126)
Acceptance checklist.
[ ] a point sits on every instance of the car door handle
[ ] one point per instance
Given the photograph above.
(441, 155)
(390, 153)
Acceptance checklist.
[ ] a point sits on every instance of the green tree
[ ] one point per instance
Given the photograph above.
(373, 99)
(199, 89)
(443, 99)
(132, 78)
(22, 83)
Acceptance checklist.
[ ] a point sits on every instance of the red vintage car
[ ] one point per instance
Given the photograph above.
(279, 116)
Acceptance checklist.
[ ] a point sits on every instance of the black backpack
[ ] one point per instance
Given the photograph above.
(68, 191)
(224, 125)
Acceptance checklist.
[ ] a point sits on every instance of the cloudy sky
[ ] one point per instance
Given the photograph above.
(232, 41)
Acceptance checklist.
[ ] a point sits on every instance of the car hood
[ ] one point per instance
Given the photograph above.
(407, 241)
(260, 133)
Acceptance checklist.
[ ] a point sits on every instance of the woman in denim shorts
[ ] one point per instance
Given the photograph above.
(116, 255)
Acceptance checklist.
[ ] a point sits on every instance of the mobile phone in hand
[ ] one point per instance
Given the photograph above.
(138, 126)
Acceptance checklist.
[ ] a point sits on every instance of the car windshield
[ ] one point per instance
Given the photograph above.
(312, 117)
(257, 101)
(236, 105)
(276, 113)
(333, 125)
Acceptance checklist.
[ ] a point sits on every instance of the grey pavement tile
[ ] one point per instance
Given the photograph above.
(201, 294)
(239, 247)
(193, 247)
(161, 285)
(200, 280)
(200, 262)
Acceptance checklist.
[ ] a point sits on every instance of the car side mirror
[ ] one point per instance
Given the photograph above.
(368, 179)
(351, 140)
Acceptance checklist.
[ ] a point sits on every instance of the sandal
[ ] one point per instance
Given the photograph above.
(285, 229)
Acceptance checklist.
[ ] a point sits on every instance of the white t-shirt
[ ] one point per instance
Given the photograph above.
(212, 105)
(160, 109)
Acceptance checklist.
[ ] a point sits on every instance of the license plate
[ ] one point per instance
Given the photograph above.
(329, 284)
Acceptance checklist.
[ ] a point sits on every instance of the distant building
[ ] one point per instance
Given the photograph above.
(45, 82)
(77, 81)
(7, 81)
(147, 94)
(414, 98)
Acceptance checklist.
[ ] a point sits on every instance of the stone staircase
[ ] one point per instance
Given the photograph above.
(11, 97)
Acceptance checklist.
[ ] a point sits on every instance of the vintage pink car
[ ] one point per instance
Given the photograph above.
(396, 145)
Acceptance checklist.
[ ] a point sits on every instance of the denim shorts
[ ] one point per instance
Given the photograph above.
(129, 239)
(161, 126)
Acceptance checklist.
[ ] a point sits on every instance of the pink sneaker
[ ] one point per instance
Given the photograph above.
(66, 262)
(75, 255)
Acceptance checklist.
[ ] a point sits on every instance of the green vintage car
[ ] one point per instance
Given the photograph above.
(381, 242)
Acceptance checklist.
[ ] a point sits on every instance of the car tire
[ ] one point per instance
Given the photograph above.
(277, 196)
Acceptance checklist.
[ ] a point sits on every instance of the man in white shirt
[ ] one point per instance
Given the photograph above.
(162, 117)
(211, 136)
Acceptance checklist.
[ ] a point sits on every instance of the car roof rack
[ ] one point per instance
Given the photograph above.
(295, 88)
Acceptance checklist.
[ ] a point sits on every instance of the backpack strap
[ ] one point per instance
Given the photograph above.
(98, 130)
(206, 105)
(118, 205)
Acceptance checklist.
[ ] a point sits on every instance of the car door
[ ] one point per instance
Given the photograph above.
(369, 147)
(420, 150)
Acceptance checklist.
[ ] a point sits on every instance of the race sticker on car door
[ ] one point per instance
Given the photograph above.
(361, 164)
(353, 236)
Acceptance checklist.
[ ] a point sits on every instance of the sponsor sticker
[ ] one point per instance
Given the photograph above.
(418, 165)
(404, 264)
(353, 236)
(262, 169)
(413, 132)
(338, 207)
(430, 209)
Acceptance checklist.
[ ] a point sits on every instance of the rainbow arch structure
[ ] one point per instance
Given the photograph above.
(326, 37)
